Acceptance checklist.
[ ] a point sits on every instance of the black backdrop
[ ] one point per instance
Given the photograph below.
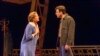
(84, 12)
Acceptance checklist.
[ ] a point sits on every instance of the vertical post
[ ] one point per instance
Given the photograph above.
(5, 49)
(5, 30)
(33, 5)
(42, 9)
(43, 24)
(4, 24)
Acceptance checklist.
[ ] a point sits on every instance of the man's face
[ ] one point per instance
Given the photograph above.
(58, 13)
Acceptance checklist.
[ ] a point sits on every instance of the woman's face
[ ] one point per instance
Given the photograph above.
(36, 19)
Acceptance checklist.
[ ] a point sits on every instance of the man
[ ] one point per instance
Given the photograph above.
(66, 30)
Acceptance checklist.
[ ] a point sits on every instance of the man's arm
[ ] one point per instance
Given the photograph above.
(71, 32)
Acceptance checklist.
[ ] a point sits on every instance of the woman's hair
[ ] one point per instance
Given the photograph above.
(31, 16)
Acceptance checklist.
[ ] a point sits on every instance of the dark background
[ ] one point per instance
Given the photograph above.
(85, 13)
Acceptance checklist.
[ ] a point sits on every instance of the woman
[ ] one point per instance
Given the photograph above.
(31, 35)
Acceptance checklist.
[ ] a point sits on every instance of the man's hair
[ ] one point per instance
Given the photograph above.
(61, 8)
(31, 16)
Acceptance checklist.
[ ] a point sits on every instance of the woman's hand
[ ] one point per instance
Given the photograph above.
(67, 47)
(36, 30)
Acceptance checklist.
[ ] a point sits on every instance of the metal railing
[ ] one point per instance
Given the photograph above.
(50, 52)
(86, 50)
(74, 50)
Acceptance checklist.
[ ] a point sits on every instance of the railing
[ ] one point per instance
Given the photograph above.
(16, 52)
(50, 52)
(74, 50)
(42, 52)
(85, 50)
